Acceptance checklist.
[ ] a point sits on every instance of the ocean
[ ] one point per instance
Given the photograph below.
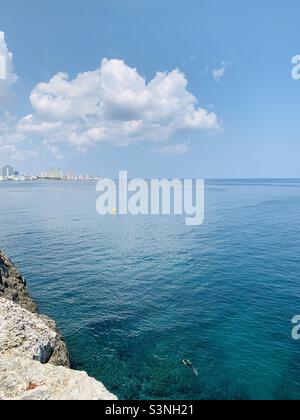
(134, 296)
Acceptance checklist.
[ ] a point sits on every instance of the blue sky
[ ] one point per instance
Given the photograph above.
(245, 124)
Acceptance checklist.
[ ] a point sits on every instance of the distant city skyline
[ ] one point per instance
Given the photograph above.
(199, 89)
(8, 173)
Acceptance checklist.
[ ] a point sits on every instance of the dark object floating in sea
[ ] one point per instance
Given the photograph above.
(189, 364)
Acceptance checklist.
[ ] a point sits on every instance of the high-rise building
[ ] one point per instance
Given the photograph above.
(70, 176)
(55, 174)
(7, 171)
(52, 174)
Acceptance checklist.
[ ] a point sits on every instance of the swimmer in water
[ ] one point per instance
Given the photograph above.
(189, 364)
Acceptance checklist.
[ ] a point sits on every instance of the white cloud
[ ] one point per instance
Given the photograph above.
(7, 75)
(53, 150)
(173, 150)
(219, 73)
(14, 153)
(12, 142)
(114, 104)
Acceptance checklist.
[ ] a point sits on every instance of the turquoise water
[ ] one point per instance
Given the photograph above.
(135, 295)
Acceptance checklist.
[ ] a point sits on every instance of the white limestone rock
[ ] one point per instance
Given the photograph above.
(23, 334)
(24, 379)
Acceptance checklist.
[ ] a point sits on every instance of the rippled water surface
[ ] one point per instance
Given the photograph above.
(135, 295)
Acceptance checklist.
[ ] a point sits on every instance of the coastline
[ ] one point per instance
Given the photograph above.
(34, 359)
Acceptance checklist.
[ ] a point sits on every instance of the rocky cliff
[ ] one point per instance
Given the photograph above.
(13, 288)
(13, 285)
(34, 360)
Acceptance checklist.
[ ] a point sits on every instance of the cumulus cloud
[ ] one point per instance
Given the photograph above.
(12, 142)
(114, 104)
(14, 153)
(7, 75)
(219, 73)
(53, 150)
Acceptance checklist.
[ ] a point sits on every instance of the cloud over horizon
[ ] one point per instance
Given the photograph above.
(10, 140)
(114, 104)
(7, 75)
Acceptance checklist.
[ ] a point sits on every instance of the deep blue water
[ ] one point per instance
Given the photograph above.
(135, 295)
